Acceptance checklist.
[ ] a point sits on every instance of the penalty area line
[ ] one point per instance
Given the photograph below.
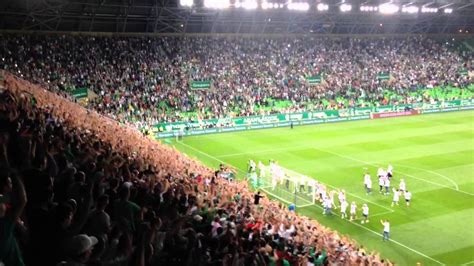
(370, 230)
(412, 176)
(208, 155)
(391, 240)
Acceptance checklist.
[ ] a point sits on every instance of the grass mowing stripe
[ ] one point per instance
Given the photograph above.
(353, 195)
(442, 144)
(296, 148)
(428, 171)
(206, 154)
(368, 229)
(391, 239)
(375, 165)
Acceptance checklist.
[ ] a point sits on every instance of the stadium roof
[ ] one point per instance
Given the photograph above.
(168, 16)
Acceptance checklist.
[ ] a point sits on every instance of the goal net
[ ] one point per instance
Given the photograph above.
(283, 184)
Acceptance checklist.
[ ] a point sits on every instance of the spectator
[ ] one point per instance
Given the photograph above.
(161, 215)
(10, 212)
(257, 198)
(79, 250)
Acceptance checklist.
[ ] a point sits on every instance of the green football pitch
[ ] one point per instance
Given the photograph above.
(433, 153)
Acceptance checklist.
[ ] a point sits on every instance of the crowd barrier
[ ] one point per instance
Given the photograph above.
(306, 118)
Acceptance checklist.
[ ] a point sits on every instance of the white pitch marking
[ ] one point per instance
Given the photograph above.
(391, 240)
(346, 192)
(368, 163)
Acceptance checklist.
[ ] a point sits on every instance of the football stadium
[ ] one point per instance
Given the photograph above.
(236, 132)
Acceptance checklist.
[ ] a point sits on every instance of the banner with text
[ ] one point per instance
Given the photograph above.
(200, 85)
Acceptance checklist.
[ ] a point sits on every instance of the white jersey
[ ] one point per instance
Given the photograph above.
(387, 182)
(328, 203)
(380, 172)
(342, 196)
(252, 164)
(381, 181)
(365, 210)
(367, 179)
(262, 169)
(353, 208)
(403, 185)
(396, 195)
(323, 193)
(407, 195)
(344, 205)
(369, 184)
(386, 227)
(390, 169)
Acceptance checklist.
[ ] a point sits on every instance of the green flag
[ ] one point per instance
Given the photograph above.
(314, 80)
(200, 85)
(383, 76)
(80, 93)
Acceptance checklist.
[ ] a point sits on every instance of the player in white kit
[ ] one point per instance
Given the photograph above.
(407, 196)
(402, 186)
(367, 183)
(365, 213)
(353, 211)
(387, 185)
(344, 206)
(396, 196)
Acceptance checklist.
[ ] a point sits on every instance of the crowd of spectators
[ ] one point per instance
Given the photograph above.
(147, 79)
(78, 188)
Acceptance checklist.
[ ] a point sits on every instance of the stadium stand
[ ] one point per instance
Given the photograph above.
(147, 80)
(81, 189)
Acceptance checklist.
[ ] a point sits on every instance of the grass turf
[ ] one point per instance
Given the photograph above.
(433, 153)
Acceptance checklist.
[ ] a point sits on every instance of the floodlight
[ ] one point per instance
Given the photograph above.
(429, 10)
(249, 4)
(300, 6)
(322, 7)
(388, 8)
(368, 8)
(345, 7)
(265, 5)
(188, 3)
(216, 4)
(410, 9)
(448, 10)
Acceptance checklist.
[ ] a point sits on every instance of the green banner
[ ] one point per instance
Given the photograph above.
(383, 76)
(314, 80)
(200, 85)
(80, 93)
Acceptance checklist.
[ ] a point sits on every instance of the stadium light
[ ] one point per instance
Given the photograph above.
(322, 7)
(270, 5)
(246, 4)
(388, 8)
(448, 10)
(267, 5)
(299, 6)
(410, 9)
(368, 8)
(187, 3)
(217, 4)
(345, 7)
(429, 10)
